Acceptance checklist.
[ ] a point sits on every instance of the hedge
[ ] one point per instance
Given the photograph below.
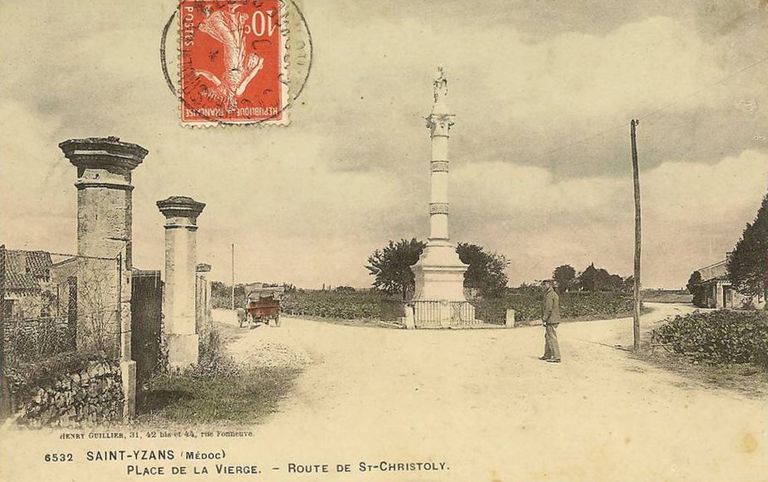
(718, 337)
(579, 304)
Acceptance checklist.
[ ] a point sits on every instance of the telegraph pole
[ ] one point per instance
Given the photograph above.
(636, 180)
(233, 276)
(5, 393)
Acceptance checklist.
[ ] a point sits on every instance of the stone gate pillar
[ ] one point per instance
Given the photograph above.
(181, 214)
(104, 242)
(203, 303)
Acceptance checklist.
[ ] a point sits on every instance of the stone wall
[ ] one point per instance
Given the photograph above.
(67, 391)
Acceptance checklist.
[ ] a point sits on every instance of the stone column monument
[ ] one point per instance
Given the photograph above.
(181, 214)
(104, 234)
(439, 296)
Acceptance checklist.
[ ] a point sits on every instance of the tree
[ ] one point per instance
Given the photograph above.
(564, 276)
(694, 288)
(614, 282)
(391, 266)
(628, 284)
(748, 264)
(486, 270)
(588, 279)
(599, 279)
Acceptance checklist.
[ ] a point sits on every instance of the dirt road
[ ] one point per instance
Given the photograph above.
(482, 403)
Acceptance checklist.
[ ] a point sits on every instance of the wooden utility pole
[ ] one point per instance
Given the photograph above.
(233, 276)
(636, 179)
(5, 393)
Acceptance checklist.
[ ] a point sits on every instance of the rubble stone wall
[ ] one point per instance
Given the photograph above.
(67, 391)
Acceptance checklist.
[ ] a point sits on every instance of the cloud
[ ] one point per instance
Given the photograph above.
(540, 164)
(34, 182)
(692, 214)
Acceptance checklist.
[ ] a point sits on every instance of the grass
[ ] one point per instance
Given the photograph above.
(217, 391)
(244, 397)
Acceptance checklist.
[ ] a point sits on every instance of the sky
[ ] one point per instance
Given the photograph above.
(540, 163)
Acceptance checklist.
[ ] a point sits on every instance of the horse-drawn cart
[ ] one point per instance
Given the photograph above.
(263, 306)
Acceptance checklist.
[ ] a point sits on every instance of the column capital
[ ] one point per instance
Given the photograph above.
(181, 207)
(439, 124)
(108, 153)
(203, 268)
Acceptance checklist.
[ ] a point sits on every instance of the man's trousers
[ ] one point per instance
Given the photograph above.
(551, 347)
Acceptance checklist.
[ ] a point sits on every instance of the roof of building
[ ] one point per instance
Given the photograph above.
(20, 281)
(39, 263)
(714, 271)
(24, 269)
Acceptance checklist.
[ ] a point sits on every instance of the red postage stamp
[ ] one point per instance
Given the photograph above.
(232, 62)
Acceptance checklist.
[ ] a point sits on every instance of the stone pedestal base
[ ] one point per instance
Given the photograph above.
(128, 374)
(439, 273)
(438, 301)
(183, 350)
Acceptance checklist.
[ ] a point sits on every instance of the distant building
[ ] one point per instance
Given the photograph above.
(27, 275)
(717, 291)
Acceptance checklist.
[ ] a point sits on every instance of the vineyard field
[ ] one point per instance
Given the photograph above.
(344, 306)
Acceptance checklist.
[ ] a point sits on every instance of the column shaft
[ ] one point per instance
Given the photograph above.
(180, 279)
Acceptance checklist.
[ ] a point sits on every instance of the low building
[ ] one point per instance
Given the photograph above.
(27, 276)
(717, 291)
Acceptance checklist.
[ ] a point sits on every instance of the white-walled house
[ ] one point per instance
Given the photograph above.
(718, 292)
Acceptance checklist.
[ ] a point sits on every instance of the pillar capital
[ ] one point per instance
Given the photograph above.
(176, 207)
(108, 153)
(439, 125)
(203, 268)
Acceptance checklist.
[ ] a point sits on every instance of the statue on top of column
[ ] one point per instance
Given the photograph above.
(441, 85)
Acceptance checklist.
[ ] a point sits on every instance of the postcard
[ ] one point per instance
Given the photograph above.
(301, 240)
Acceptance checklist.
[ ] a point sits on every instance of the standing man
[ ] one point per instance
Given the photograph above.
(550, 316)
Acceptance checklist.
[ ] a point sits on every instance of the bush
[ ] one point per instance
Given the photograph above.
(718, 337)
(31, 340)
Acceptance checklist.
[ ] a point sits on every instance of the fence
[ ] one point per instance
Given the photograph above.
(436, 314)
